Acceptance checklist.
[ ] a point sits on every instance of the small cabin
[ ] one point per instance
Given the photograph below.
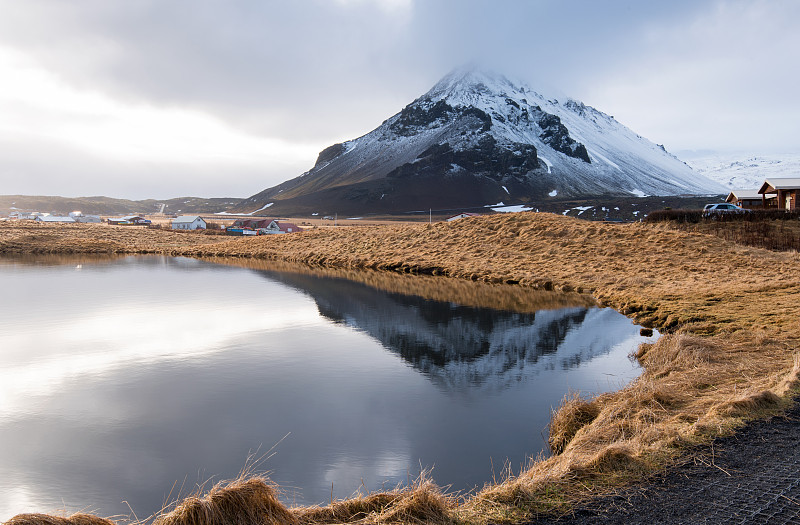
(189, 222)
(785, 190)
(750, 199)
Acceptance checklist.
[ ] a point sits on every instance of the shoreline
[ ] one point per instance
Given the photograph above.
(728, 314)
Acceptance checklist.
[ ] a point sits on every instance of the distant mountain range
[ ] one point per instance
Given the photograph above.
(111, 206)
(477, 139)
(742, 171)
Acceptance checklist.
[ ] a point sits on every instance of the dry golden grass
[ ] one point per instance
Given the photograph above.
(241, 502)
(46, 519)
(730, 314)
(421, 503)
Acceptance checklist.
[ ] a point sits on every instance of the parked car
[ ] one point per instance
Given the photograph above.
(722, 208)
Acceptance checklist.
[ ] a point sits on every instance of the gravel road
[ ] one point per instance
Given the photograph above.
(751, 477)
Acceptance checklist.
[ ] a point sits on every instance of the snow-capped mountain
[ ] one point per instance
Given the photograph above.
(743, 171)
(476, 139)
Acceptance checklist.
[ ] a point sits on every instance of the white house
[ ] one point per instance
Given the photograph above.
(189, 222)
(53, 218)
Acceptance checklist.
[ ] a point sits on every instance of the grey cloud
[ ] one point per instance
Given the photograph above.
(312, 69)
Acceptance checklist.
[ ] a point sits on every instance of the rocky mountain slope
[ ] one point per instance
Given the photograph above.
(476, 139)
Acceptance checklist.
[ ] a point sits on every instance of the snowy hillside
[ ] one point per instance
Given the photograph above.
(741, 171)
(477, 139)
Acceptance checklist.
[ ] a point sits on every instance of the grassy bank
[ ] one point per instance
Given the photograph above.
(730, 351)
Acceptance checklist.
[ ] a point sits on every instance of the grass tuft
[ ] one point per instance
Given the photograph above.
(574, 413)
(241, 502)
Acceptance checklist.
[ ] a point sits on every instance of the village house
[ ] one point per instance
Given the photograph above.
(785, 190)
(128, 220)
(261, 227)
(276, 227)
(750, 199)
(53, 219)
(189, 222)
(80, 217)
(253, 224)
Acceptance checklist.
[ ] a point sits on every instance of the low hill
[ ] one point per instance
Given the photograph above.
(110, 206)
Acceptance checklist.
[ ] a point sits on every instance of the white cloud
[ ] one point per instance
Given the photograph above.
(38, 105)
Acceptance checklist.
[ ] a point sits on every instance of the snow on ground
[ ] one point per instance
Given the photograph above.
(594, 153)
(638, 193)
(553, 193)
(512, 209)
(506, 190)
(258, 210)
(548, 164)
(580, 209)
(501, 203)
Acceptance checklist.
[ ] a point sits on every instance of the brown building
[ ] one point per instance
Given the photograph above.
(786, 191)
(751, 199)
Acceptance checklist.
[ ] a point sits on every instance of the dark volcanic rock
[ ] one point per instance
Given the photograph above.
(486, 159)
(330, 153)
(556, 135)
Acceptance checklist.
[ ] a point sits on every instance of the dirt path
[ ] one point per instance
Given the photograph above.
(751, 477)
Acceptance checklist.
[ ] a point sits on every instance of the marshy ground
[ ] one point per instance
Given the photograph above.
(730, 350)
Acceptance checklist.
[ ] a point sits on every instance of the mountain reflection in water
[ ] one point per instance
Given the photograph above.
(462, 347)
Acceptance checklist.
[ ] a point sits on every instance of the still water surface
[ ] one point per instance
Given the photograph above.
(120, 378)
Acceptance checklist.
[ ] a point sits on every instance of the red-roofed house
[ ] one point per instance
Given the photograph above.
(279, 227)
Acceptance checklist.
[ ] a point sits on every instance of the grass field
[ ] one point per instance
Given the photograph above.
(729, 313)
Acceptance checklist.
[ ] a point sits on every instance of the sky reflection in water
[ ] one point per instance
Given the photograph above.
(119, 378)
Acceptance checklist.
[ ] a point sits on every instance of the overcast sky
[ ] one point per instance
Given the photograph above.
(165, 98)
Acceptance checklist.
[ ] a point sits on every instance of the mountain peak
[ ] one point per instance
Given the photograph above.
(463, 86)
(477, 138)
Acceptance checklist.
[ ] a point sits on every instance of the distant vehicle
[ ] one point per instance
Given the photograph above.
(722, 208)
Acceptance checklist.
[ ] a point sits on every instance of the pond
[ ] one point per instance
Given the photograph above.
(125, 383)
